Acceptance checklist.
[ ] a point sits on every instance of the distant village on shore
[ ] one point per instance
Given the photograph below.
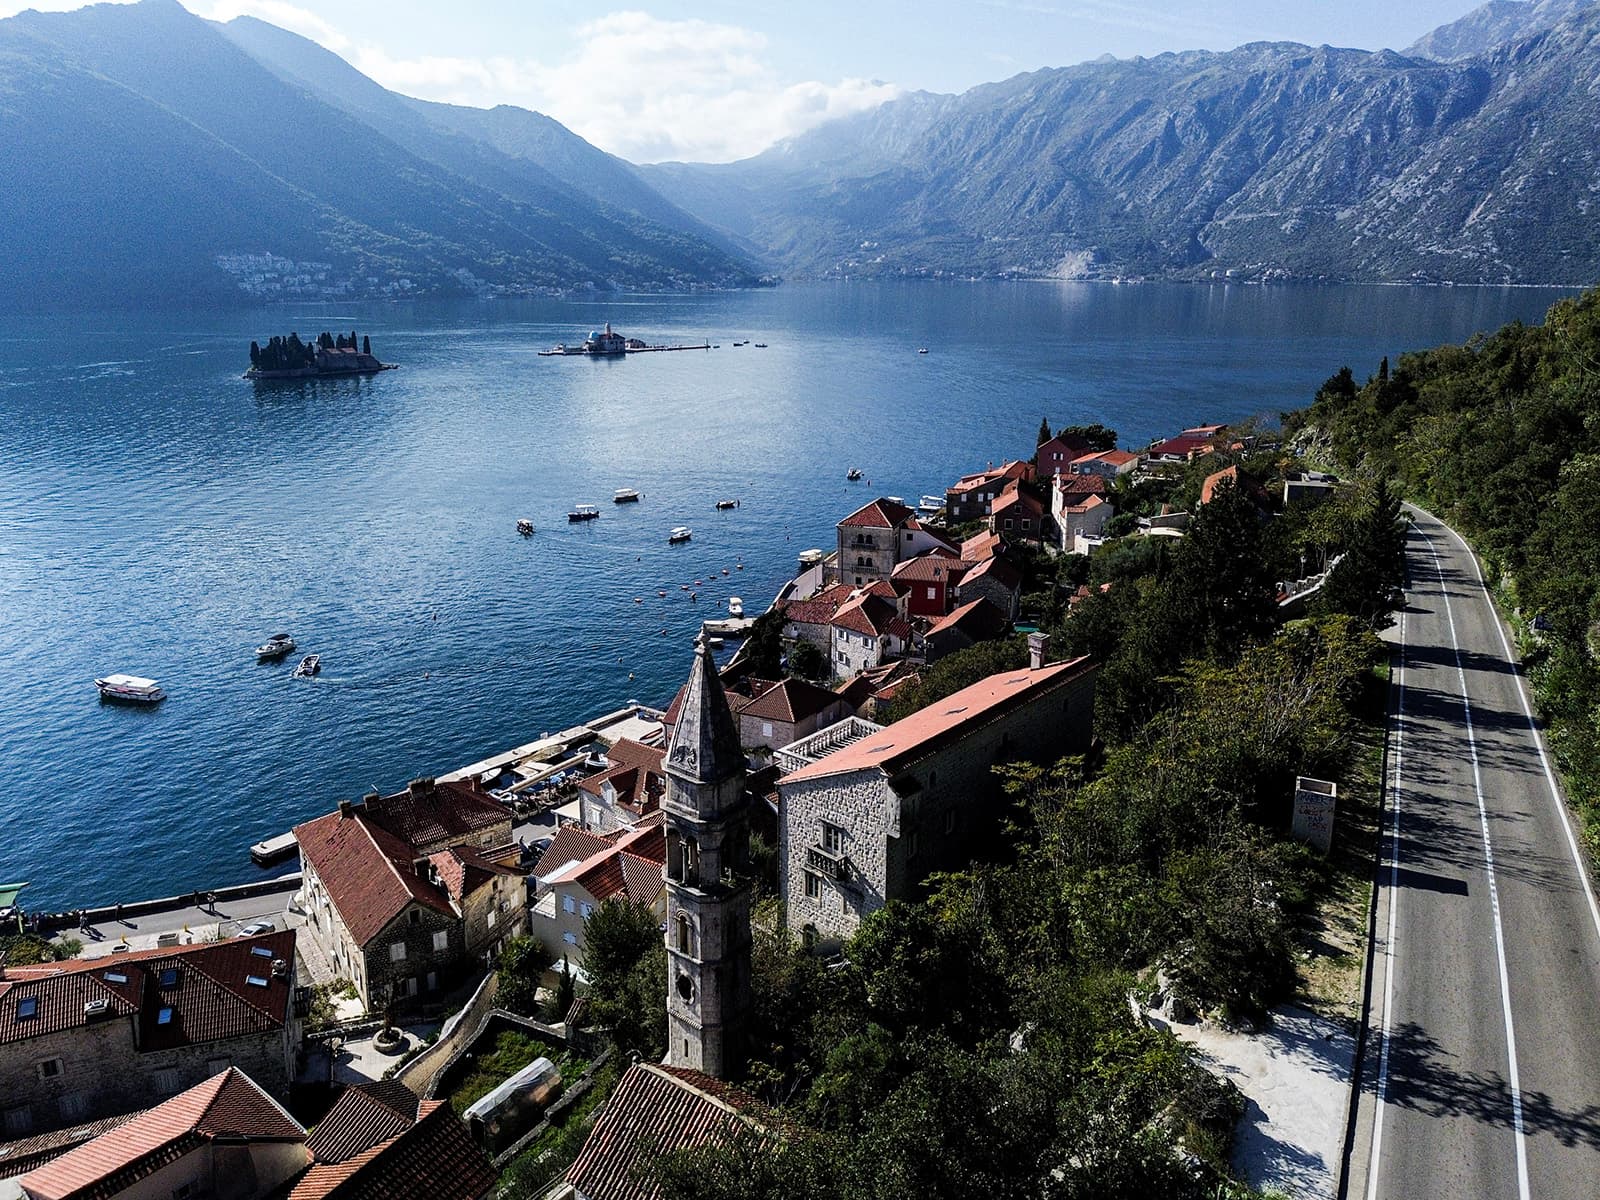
(157, 1047)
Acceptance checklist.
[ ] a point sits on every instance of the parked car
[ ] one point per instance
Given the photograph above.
(257, 927)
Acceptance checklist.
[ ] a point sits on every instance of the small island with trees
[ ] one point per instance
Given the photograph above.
(290, 358)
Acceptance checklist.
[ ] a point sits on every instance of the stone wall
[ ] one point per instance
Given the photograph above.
(928, 818)
(103, 1073)
(423, 970)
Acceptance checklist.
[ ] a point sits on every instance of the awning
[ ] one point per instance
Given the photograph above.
(9, 893)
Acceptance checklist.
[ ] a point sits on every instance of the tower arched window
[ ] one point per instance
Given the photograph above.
(684, 935)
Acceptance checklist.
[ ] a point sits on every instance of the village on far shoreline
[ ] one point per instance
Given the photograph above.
(831, 764)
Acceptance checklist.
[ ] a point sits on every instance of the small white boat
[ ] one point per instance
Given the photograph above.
(525, 527)
(715, 643)
(275, 647)
(735, 606)
(308, 666)
(931, 503)
(680, 533)
(134, 689)
(922, 350)
(853, 474)
(625, 496)
(727, 504)
(583, 512)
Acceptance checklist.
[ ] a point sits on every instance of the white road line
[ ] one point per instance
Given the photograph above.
(1494, 888)
(1394, 903)
(1538, 741)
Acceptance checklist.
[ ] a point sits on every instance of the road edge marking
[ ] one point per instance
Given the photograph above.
(1381, 1090)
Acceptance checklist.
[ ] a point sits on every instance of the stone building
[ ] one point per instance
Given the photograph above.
(85, 1039)
(788, 711)
(996, 580)
(930, 581)
(877, 537)
(976, 621)
(865, 823)
(627, 791)
(408, 894)
(868, 630)
(971, 496)
(708, 880)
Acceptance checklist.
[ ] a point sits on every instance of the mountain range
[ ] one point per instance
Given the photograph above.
(150, 153)
(1273, 160)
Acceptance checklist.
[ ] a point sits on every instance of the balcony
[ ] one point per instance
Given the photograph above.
(830, 864)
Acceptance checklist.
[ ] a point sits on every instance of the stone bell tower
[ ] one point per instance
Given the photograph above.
(707, 880)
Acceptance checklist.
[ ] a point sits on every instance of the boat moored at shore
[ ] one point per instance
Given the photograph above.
(130, 689)
(680, 533)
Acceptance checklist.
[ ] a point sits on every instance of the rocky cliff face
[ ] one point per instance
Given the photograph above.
(1270, 160)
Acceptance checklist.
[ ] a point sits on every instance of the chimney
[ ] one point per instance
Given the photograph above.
(346, 809)
(1038, 647)
(420, 787)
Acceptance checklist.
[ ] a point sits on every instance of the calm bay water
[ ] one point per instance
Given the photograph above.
(160, 516)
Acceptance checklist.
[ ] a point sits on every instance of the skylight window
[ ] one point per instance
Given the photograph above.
(169, 977)
(255, 981)
(28, 1006)
(116, 977)
(261, 951)
(164, 1017)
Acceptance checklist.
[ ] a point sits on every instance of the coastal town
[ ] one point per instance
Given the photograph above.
(833, 767)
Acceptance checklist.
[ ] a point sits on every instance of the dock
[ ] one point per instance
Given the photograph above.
(734, 627)
(538, 768)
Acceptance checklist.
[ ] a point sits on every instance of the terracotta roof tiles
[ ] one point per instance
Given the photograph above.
(429, 812)
(654, 1110)
(926, 730)
(879, 514)
(435, 1158)
(791, 701)
(368, 871)
(228, 1104)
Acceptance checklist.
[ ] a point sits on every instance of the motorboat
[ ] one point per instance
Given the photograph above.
(761, 345)
(853, 474)
(525, 527)
(274, 648)
(131, 689)
(931, 503)
(922, 350)
(715, 643)
(583, 512)
(308, 666)
(625, 496)
(680, 533)
(735, 606)
(727, 504)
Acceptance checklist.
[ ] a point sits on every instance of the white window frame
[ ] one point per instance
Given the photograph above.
(832, 837)
(493, 916)
(568, 903)
(397, 952)
(812, 885)
(441, 941)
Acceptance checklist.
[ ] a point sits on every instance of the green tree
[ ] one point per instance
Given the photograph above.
(1044, 431)
(1097, 436)
(566, 991)
(763, 645)
(1221, 593)
(808, 662)
(522, 963)
(956, 671)
(1366, 582)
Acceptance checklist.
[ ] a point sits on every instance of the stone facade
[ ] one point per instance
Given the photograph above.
(852, 841)
(98, 1070)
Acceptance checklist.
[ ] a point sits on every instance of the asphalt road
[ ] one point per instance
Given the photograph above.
(1482, 1071)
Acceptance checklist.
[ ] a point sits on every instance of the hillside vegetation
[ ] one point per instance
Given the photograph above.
(1501, 437)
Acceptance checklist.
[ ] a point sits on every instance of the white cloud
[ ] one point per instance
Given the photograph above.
(282, 14)
(645, 88)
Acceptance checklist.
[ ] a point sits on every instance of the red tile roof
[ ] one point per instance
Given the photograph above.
(867, 614)
(791, 701)
(978, 619)
(1018, 499)
(570, 845)
(980, 546)
(879, 514)
(933, 567)
(997, 569)
(228, 1105)
(1184, 445)
(429, 812)
(464, 869)
(210, 997)
(655, 1110)
(365, 1115)
(925, 731)
(368, 871)
(1116, 458)
(630, 867)
(433, 1158)
(819, 609)
(24, 1154)
(1083, 485)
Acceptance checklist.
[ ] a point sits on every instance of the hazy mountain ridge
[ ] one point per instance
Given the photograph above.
(1270, 160)
(1491, 26)
(345, 194)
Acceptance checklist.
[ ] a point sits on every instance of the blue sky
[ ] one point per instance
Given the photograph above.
(716, 80)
